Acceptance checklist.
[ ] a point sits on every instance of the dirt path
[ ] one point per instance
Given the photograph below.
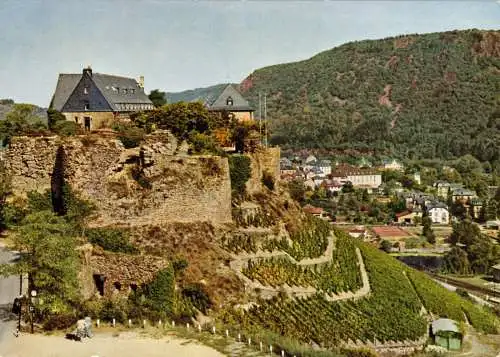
(128, 344)
(266, 292)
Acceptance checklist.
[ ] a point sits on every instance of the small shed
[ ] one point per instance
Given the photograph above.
(446, 334)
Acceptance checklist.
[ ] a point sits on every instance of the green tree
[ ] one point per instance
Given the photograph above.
(456, 261)
(427, 230)
(297, 190)
(49, 257)
(160, 292)
(239, 171)
(20, 120)
(386, 246)
(157, 97)
(347, 187)
(57, 123)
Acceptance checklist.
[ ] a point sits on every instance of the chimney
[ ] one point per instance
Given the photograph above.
(141, 81)
(87, 71)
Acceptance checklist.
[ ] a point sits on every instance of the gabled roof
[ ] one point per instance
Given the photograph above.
(113, 87)
(444, 325)
(66, 84)
(117, 90)
(221, 101)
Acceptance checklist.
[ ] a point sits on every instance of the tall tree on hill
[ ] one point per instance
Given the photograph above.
(157, 97)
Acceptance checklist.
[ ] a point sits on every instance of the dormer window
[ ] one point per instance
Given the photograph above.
(125, 90)
(85, 90)
(86, 106)
(229, 101)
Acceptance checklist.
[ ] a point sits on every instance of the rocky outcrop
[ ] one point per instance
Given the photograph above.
(150, 184)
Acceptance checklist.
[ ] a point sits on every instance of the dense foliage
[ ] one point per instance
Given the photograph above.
(472, 250)
(239, 170)
(111, 239)
(420, 96)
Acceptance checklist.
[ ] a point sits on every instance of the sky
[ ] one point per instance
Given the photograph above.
(179, 45)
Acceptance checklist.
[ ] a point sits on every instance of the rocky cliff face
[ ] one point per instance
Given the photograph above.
(152, 184)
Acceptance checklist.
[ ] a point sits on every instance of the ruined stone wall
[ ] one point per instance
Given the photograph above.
(123, 271)
(146, 185)
(262, 160)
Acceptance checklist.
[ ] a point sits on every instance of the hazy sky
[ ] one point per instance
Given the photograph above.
(181, 45)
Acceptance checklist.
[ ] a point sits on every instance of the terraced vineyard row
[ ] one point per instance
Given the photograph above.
(310, 241)
(341, 274)
(391, 312)
(444, 303)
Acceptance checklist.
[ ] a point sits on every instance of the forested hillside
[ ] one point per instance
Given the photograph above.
(416, 96)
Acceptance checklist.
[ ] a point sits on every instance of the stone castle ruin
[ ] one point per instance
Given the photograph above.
(153, 185)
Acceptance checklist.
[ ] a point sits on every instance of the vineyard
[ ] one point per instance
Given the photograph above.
(310, 241)
(390, 312)
(432, 295)
(340, 274)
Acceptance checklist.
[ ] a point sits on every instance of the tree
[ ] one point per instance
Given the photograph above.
(456, 261)
(386, 246)
(20, 120)
(297, 190)
(348, 187)
(158, 98)
(180, 118)
(238, 136)
(427, 231)
(481, 252)
(49, 258)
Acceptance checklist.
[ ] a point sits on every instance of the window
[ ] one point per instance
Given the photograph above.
(76, 120)
(229, 101)
(125, 90)
(132, 91)
(85, 90)
(86, 106)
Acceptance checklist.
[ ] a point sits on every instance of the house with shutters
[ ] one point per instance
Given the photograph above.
(95, 100)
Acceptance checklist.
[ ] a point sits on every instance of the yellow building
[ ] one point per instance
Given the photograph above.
(95, 100)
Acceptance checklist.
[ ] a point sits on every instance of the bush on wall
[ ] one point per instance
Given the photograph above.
(239, 170)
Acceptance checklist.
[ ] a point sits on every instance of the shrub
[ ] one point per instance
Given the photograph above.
(239, 170)
(160, 292)
(66, 128)
(113, 310)
(198, 297)
(130, 136)
(114, 240)
(268, 180)
(59, 322)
